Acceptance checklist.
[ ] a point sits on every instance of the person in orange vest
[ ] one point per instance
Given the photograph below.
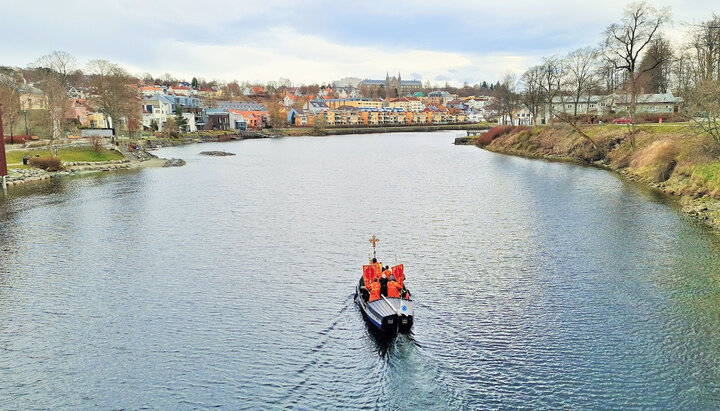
(393, 288)
(378, 267)
(374, 288)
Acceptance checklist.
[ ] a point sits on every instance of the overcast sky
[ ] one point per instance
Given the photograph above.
(316, 41)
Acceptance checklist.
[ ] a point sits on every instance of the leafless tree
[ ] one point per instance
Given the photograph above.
(553, 73)
(706, 46)
(63, 65)
(580, 79)
(626, 41)
(578, 84)
(703, 105)
(505, 99)
(10, 100)
(54, 71)
(532, 96)
(111, 91)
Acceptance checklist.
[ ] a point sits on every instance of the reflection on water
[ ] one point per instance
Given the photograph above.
(228, 282)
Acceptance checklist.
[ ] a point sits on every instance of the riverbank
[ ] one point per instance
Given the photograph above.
(328, 131)
(667, 157)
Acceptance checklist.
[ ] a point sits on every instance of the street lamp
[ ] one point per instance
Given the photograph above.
(26, 126)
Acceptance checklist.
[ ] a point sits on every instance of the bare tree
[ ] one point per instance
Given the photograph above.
(625, 42)
(112, 91)
(580, 78)
(54, 71)
(575, 88)
(63, 65)
(532, 96)
(10, 100)
(505, 99)
(553, 73)
(277, 115)
(706, 46)
(703, 105)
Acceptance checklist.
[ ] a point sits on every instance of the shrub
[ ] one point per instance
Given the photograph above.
(46, 163)
(19, 139)
(495, 132)
(659, 152)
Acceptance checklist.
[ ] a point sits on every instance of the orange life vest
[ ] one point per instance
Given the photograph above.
(393, 289)
(374, 289)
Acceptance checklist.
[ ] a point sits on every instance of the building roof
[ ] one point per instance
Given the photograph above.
(241, 105)
(440, 94)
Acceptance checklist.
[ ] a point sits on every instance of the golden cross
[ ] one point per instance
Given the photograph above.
(374, 240)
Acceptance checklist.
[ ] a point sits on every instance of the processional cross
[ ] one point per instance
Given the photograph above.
(374, 240)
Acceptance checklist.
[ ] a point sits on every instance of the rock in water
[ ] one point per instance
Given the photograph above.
(216, 153)
(174, 162)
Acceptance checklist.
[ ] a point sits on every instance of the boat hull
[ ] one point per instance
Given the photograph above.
(387, 315)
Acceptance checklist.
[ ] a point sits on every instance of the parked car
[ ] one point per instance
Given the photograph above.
(622, 121)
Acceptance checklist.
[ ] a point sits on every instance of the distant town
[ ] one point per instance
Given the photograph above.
(50, 101)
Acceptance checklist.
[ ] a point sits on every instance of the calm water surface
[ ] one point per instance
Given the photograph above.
(228, 282)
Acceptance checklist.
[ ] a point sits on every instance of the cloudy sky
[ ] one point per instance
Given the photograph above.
(316, 41)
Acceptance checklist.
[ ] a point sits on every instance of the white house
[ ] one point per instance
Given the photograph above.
(179, 90)
(156, 110)
(190, 120)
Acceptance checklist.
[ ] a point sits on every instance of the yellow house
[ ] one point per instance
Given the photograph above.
(96, 120)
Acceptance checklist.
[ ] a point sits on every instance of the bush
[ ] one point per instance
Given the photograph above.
(19, 139)
(495, 132)
(46, 163)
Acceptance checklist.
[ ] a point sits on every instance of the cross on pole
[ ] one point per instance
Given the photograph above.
(374, 240)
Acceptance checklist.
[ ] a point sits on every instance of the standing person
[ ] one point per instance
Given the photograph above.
(383, 285)
(377, 267)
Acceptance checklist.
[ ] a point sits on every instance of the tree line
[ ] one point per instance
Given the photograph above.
(633, 57)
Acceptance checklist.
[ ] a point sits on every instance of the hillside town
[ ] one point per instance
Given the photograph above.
(110, 101)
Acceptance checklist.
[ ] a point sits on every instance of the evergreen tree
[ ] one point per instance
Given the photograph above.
(180, 120)
(194, 83)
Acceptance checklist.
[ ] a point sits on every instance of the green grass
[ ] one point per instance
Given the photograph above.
(708, 173)
(15, 157)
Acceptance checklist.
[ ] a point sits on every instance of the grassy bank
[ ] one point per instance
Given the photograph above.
(15, 157)
(669, 157)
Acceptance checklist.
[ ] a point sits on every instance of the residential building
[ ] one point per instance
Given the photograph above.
(353, 102)
(438, 98)
(78, 111)
(316, 106)
(240, 105)
(156, 110)
(215, 119)
(32, 98)
(663, 103)
(179, 90)
(97, 120)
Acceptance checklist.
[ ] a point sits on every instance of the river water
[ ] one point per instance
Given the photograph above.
(229, 282)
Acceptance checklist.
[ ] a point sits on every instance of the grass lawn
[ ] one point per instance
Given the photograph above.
(14, 157)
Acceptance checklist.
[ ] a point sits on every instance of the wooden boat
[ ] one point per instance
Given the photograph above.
(388, 315)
